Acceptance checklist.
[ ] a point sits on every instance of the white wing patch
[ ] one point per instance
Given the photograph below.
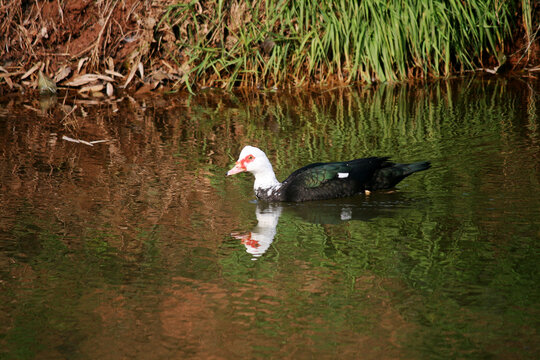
(346, 214)
(342, 175)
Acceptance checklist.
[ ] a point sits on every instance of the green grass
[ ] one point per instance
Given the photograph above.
(324, 42)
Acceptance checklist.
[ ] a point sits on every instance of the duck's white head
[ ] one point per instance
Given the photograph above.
(254, 160)
(251, 159)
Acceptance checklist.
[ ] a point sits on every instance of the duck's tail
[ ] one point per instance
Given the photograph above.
(388, 177)
(409, 169)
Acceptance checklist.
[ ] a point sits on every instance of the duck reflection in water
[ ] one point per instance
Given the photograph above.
(258, 240)
(329, 212)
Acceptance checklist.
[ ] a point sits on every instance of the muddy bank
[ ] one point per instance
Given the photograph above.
(101, 47)
(114, 40)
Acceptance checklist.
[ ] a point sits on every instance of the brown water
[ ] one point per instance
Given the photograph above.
(139, 247)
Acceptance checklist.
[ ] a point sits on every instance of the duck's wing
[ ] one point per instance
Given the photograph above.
(331, 180)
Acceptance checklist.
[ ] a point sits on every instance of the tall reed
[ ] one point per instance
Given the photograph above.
(279, 43)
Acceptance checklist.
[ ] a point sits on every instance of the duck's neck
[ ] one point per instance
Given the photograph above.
(266, 179)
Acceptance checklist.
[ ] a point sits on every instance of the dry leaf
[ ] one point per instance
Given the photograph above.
(110, 63)
(10, 74)
(88, 78)
(81, 63)
(62, 73)
(97, 94)
(145, 89)
(114, 73)
(91, 88)
(31, 71)
(141, 70)
(130, 76)
(109, 90)
(9, 82)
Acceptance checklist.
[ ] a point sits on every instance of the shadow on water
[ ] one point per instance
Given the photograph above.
(116, 222)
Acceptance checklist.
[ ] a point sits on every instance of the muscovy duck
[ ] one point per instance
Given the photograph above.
(321, 181)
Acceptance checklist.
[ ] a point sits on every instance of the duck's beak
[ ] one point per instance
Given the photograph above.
(238, 168)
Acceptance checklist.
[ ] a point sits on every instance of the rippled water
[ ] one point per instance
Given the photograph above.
(139, 247)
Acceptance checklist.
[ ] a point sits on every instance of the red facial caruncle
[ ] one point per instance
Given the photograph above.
(246, 160)
(241, 165)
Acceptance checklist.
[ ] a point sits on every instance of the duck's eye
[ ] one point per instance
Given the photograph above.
(250, 157)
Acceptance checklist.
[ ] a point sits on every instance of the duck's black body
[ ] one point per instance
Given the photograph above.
(322, 181)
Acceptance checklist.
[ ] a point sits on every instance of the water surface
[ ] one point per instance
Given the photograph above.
(139, 247)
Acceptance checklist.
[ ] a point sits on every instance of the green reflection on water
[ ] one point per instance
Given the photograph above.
(467, 253)
(135, 245)
(60, 285)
